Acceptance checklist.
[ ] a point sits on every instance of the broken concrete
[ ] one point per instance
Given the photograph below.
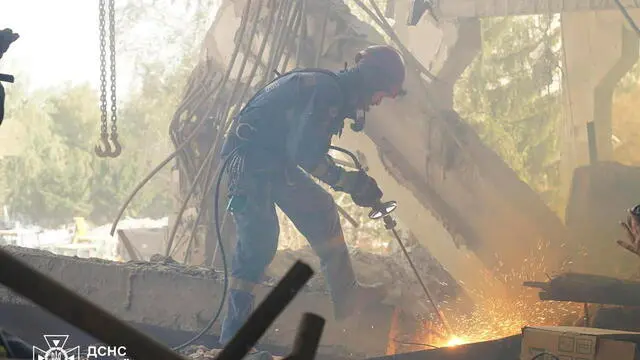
(393, 271)
(419, 150)
(594, 64)
(487, 8)
(202, 353)
(168, 295)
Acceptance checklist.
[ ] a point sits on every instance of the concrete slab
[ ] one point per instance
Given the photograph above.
(171, 296)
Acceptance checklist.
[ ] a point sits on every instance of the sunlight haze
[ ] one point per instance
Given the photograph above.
(58, 42)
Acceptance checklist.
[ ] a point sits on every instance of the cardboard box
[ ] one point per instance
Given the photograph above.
(578, 343)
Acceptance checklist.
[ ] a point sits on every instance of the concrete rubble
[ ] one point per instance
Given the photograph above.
(393, 271)
(165, 294)
(203, 353)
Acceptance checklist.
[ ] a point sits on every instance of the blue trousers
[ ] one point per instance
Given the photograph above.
(313, 212)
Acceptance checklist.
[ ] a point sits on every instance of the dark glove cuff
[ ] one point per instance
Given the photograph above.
(327, 172)
(349, 181)
(333, 176)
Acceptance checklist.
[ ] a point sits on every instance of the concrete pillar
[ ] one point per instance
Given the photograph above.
(445, 48)
(447, 51)
(599, 49)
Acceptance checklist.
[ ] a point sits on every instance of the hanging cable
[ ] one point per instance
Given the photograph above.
(216, 209)
(290, 28)
(186, 142)
(214, 149)
(236, 86)
(303, 31)
(217, 92)
(323, 34)
(279, 6)
(193, 100)
(207, 163)
(185, 202)
(216, 102)
(263, 46)
(247, 85)
(203, 200)
(227, 122)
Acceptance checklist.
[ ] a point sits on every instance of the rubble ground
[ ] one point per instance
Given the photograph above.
(181, 301)
(392, 271)
(203, 353)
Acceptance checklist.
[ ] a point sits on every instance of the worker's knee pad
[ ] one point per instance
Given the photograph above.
(239, 307)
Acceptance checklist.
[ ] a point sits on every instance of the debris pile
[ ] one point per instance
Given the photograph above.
(203, 353)
(391, 270)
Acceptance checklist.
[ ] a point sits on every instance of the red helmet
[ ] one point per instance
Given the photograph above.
(382, 67)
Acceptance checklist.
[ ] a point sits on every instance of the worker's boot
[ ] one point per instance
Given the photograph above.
(239, 307)
(348, 295)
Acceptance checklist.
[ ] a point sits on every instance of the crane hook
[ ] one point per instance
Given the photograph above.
(105, 150)
(118, 148)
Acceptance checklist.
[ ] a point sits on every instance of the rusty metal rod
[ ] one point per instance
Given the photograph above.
(348, 216)
(390, 224)
(78, 311)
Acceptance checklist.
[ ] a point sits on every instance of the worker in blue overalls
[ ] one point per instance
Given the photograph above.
(277, 140)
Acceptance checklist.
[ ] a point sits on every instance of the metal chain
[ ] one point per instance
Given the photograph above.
(112, 58)
(110, 145)
(103, 72)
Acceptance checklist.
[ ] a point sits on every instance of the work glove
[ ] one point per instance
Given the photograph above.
(632, 230)
(363, 188)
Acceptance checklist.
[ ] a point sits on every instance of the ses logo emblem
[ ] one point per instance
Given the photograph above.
(56, 349)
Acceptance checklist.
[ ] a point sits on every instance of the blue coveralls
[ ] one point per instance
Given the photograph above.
(293, 120)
